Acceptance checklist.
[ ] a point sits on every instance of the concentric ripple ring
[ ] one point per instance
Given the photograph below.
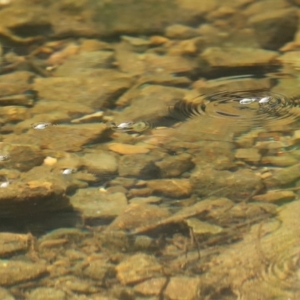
(256, 107)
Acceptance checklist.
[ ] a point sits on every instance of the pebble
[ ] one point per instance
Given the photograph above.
(11, 243)
(279, 161)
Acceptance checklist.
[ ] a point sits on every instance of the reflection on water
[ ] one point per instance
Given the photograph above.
(149, 150)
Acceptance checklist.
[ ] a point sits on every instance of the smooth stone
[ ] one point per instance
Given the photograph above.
(174, 166)
(282, 177)
(95, 204)
(14, 271)
(174, 188)
(137, 215)
(279, 161)
(275, 196)
(47, 293)
(138, 267)
(200, 227)
(141, 166)
(100, 162)
(11, 243)
(235, 57)
(98, 269)
(183, 287)
(151, 287)
(251, 155)
(236, 186)
(127, 149)
(178, 31)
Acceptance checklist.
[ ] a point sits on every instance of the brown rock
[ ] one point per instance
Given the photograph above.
(137, 268)
(251, 155)
(94, 204)
(274, 196)
(127, 149)
(183, 287)
(11, 243)
(279, 161)
(174, 166)
(175, 188)
(151, 287)
(85, 88)
(275, 28)
(178, 31)
(237, 57)
(64, 137)
(12, 272)
(137, 215)
(47, 293)
(5, 294)
(237, 185)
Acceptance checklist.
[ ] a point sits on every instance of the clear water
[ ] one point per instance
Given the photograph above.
(134, 164)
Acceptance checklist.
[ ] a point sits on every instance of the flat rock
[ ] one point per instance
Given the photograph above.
(174, 166)
(63, 137)
(275, 196)
(100, 162)
(183, 287)
(12, 272)
(217, 57)
(95, 204)
(11, 243)
(47, 293)
(151, 287)
(137, 215)
(282, 177)
(127, 148)
(275, 28)
(174, 188)
(141, 166)
(85, 88)
(137, 268)
(251, 155)
(235, 185)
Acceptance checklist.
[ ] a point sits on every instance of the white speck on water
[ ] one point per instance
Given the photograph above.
(68, 171)
(41, 126)
(264, 100)
(247, 100)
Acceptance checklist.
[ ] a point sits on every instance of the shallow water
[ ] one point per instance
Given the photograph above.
(149, 150)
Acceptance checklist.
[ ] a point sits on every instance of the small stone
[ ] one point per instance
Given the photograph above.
(47, 293)
(251, 155)
(183, 287)
(174, 166)
(137, 268)
(175, 188)
(151, 287)
(200, 227)
(279, 161)
(100, 162)
(50, 161)
(178, 31)
(14, 271)
(128, 149)
(275, 196)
